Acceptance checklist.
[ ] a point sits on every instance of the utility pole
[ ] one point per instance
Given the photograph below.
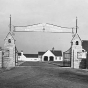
(10, 24)
(76, 25)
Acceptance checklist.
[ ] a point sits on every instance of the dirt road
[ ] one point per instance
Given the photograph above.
(43, 75)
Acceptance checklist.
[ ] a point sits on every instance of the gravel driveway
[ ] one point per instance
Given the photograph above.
(43, 75)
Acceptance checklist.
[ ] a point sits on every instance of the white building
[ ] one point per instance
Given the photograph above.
(49, 55)
(52, 55)
(27, 57)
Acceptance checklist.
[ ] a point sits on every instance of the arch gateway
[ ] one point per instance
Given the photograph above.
(76, 54)
(44, 27)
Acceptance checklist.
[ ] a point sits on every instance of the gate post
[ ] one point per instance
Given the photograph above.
(9, 59)
(1, 57)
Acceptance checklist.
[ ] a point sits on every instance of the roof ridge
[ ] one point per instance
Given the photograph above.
(10, 34)
(75, 35)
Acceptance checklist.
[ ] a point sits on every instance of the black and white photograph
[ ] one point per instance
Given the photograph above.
(43, 43)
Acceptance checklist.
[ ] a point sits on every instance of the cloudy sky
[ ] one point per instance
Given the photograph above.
(57, 12)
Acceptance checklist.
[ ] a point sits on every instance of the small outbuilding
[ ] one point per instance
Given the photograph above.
(28, 57)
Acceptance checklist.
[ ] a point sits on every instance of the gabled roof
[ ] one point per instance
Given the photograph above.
(31, 55)
(9, 34)
(57, 52)
(75, 36)
(41, 53)
(85, 44)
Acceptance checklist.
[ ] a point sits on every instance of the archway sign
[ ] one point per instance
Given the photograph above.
(43, 27)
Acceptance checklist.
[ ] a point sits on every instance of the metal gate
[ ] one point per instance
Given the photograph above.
(67, 58)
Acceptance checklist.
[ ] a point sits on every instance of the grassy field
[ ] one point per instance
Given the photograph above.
(43, 75)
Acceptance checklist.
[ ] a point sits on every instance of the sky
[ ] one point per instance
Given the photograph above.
(58, 12)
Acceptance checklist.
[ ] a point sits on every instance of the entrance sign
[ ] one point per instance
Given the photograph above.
(81, 55)
(45, 27)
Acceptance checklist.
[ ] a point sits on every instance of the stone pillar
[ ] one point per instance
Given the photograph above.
(9, 58)
(72, 59)
(75, 61)
(1, 58)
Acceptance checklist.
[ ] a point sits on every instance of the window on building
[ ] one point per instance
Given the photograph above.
(6, 53)
(82, 50)
(9, 41)
(77, 43)
(59, 58)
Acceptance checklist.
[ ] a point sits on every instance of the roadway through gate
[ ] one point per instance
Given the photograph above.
(44, 76)
(38, 64)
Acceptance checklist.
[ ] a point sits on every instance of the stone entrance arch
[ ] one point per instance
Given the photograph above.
(45, 58)
(51, 58)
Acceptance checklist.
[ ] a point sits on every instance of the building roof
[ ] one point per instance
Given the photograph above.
(31, 55)
(75, 36)
(9, 34)
(85, 45)
(57, 52)
(41, 53)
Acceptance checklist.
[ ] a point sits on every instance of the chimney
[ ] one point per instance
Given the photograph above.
(21, 53)
(53, 49)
